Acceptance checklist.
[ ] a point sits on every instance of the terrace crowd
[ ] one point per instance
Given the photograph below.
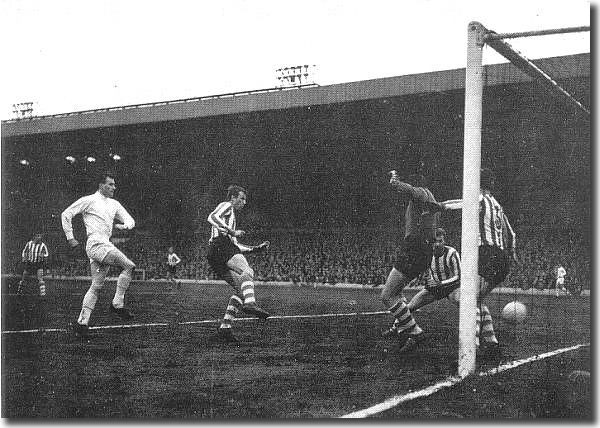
(344, 256)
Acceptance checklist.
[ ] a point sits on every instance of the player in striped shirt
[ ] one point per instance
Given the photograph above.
(443, 276)
(99, 212)
(34, 257)
(226, 258)
(413, 257)
(172, 261)
(497, 246)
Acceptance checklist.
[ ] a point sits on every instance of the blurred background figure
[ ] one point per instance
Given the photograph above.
(561, 272)
(34, 257)
(172, 261)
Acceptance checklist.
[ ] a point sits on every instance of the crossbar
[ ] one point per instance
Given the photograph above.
(498, 36)
(532, 70)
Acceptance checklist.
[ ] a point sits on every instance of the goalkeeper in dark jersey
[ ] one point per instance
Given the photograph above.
(412, 258)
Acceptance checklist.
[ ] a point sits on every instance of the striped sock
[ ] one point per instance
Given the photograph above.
(233, 307)
(487, 328)
(404, 319)
(42, 288)
(248, 292)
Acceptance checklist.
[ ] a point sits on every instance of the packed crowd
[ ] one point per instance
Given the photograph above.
(345, 256)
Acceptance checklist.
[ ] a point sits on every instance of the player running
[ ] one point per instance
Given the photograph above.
(412, 258)
(226, 258)
(99, 212)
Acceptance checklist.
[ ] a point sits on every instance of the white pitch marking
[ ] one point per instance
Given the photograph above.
(518, 363)
(35, 330)
(451, 381)
(283, 317)
(163, 324)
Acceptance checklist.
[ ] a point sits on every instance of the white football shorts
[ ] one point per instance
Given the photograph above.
(97, 251)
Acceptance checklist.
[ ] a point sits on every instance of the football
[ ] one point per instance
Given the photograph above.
(514, 312)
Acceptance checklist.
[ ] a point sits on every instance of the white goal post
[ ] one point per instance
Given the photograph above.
(478, 37)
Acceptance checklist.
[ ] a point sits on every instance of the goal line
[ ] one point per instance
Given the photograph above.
(454, 380)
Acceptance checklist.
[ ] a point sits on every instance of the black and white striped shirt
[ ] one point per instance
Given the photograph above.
(494, 227)
(34, 252)
(445, 269)
(222, 220)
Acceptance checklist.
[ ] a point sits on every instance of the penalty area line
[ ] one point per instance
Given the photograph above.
(164, 324)
(451, 381)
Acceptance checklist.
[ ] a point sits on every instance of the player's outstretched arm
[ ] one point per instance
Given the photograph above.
(401, 186)
(255, 248)
(452, 204)
(263, 246)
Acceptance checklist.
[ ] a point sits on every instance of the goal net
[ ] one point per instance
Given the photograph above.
(528, 120)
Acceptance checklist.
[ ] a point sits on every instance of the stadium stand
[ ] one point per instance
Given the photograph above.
(315, 163)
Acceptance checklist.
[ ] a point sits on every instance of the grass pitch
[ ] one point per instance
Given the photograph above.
(327, 362)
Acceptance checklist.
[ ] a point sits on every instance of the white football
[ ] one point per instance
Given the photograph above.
(515, 312)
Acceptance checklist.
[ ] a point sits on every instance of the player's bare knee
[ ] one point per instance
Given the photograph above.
(128, 267)
(96, 286)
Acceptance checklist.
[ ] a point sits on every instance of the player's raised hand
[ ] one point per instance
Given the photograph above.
(238, 233)
(264, 246)
(259, 248)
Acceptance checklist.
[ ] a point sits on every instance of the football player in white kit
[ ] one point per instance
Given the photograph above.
(99, 212)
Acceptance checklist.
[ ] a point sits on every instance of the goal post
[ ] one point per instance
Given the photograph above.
(477, 38)
(470, 211)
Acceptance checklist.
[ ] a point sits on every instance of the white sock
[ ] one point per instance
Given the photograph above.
(122, 286)
(84, 316)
